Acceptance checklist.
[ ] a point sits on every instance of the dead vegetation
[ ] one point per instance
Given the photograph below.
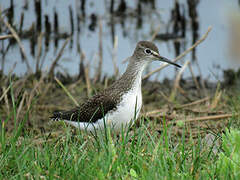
(32, 98)
(39, 97)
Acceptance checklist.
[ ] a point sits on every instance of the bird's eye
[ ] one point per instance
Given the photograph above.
(148, 51)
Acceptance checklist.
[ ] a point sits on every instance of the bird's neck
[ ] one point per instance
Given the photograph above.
(133, 74)
(130, 80)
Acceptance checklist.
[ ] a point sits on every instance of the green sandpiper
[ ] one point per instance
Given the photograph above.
(119, 105)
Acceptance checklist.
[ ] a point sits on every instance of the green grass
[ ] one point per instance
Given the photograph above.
(139, 153)
(135, 154)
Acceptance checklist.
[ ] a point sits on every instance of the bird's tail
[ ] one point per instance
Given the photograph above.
(57, 116)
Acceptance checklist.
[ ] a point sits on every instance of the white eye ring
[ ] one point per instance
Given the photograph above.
(148, 51)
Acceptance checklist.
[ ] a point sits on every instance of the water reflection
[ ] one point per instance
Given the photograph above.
(79, 19)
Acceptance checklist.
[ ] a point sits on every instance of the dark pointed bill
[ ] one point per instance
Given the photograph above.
(163, 59)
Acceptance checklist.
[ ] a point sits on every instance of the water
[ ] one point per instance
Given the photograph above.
(212, 55)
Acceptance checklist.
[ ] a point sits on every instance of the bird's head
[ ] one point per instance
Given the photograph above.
(147, 51)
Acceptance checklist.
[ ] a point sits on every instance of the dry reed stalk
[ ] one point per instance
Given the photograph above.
(39, 50)
(43, 59)
(46, 88)
(21, 104)
(6, 99)
(86, 75)
(157, 75)
(184, 94)
(161, 116)
(12, 69)
(206, 110)
(19, 85)
(166, 98)
(6, 36)
(126, 60)
(205, 118)
(193, 103)
(15, 35)
(86, 72)
(177, 80)
(201, 80)
(72, 86)
(181, 55)
(4, 92)
(33, 91)
(194, 78)
(156, 111)
(66, 91)
(216, 98)
(99, 69)
(114, 56)
(106, 82)
(51, 71)
(155, 152)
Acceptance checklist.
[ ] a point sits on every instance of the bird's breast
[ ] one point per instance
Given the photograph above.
(127, 110)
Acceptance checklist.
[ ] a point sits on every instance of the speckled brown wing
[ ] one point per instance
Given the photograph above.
(90, 111)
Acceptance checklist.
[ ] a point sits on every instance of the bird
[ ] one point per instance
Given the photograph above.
(119, 105)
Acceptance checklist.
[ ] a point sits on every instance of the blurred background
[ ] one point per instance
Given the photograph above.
(110, 29)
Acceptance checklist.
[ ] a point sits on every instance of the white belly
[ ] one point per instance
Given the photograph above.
(126, 113)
